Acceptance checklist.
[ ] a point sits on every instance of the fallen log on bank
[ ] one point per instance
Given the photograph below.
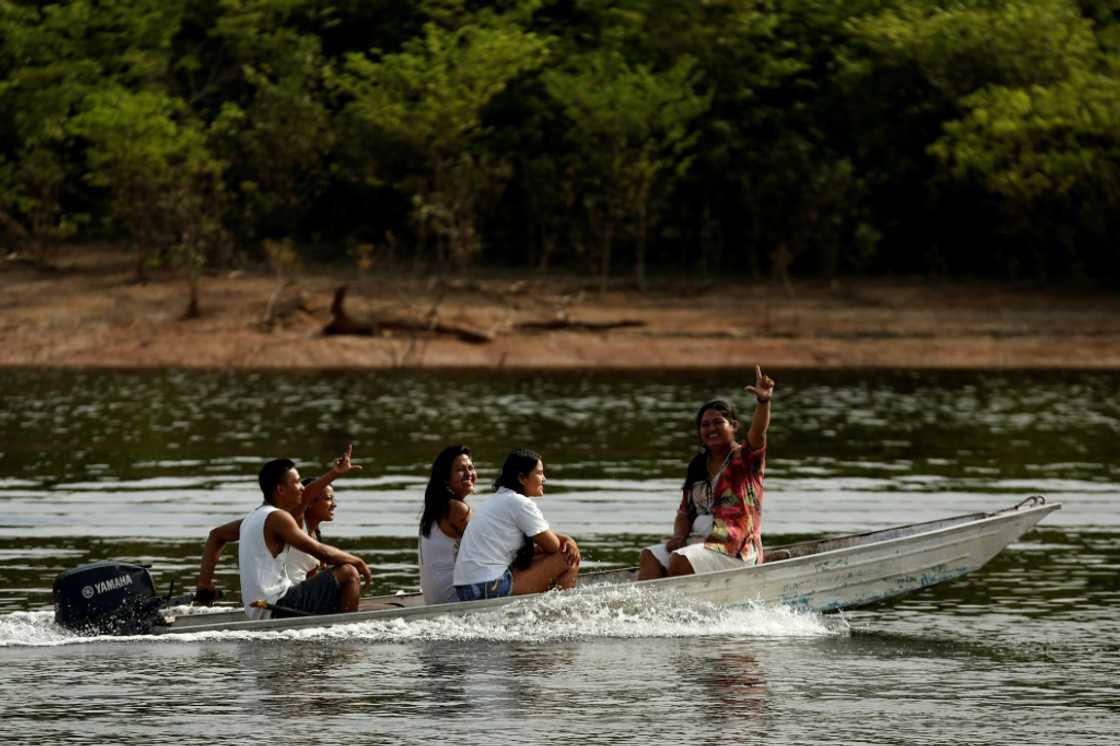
(569, 325)
(343, 323)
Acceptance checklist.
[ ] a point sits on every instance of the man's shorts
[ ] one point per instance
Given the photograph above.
(316, 595)
(498, 588)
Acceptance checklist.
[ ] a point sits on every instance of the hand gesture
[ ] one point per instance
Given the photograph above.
(343, 465)
(763, 387)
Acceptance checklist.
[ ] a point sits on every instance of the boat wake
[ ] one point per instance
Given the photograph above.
(622, 612)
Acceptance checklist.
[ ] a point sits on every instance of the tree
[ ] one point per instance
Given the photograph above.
(909, 72)
(54, 56)
(165, 185)
(267, 99)
(429, 99)
(632, 128)
(1052, 155)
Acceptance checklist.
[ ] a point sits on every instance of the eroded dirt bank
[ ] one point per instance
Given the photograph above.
(85, 312)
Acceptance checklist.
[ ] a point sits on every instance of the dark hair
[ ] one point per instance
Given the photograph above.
(437, 494)
(306, 482)
(272, 474)
(697, 470)
(519, 462)
(720, 405)
(698, 466)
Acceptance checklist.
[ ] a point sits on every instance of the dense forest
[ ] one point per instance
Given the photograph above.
(625, 138)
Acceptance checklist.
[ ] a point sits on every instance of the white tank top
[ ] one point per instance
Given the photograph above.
(299, 564)
(262, 575)
(437, 566)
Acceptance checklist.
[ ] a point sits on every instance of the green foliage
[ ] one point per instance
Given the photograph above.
(430, 99)
(632, 128)
(802, 136)
(1028, 144)
(154, 162)
(276, 134)
(965, 46)
(1051, 153)
(55, 56)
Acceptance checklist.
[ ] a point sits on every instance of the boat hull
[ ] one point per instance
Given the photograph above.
(825, 575)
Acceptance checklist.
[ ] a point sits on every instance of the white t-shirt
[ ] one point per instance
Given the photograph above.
(497, 530)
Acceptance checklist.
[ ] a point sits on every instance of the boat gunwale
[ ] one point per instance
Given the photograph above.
(1002, 515)
(956, 523)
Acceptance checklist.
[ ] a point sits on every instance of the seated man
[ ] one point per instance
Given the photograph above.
(264, 536)
(298, 562)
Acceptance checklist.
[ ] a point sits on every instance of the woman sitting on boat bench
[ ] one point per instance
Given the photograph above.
(497, 530)
(443, 522)
(719, 520)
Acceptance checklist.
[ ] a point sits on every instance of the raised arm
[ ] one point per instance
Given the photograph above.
(206, 592)
(342, 466)
(763, 390)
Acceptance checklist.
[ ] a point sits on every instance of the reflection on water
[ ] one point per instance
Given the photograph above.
(140, 464)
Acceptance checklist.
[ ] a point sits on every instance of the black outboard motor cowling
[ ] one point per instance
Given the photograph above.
(107, 598)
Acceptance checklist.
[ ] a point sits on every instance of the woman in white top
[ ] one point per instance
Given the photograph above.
(497, 530)
(445, 517)
(302, 565)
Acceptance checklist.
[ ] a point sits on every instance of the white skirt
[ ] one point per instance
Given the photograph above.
(700, 557)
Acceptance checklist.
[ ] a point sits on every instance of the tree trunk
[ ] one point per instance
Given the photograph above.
(605, 255)
(643, 236)
(192, 310)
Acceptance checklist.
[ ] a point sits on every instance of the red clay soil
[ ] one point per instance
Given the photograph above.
(84, 311)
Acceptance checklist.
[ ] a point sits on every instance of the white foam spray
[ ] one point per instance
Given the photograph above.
(622, 612)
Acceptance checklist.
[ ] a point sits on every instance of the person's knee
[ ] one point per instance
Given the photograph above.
(679, 565)
(649, 566)
(551, 568)
(557, 565)
(346, 574)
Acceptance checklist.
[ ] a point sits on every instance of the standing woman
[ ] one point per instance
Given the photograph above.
(719, 521)
(497, 531)
(445, 517)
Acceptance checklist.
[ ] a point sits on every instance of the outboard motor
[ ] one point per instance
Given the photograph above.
(107, 598)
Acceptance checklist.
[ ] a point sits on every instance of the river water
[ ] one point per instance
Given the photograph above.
(138, 465)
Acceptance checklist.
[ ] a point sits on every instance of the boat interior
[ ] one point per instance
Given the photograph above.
(773, 554)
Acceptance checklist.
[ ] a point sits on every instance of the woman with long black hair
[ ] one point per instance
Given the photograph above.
(443, 521)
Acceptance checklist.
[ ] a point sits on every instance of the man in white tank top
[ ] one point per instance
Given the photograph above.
(265, 536)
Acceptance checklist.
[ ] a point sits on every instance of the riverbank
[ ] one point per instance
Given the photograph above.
(86, 312)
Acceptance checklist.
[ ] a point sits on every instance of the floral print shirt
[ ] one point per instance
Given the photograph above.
(736, 506)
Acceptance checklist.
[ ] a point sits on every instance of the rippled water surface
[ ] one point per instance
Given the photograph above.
(139, 466)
